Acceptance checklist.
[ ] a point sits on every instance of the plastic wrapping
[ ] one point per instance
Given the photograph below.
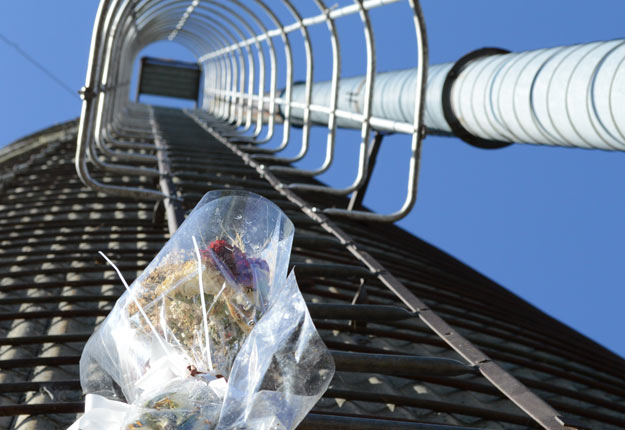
(213, 334)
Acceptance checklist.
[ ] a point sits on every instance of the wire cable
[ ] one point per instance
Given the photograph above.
(39, 65)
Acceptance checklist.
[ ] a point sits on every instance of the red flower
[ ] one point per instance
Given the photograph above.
(222, 255)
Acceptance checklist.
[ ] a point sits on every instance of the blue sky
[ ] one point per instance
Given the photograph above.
(545, 222)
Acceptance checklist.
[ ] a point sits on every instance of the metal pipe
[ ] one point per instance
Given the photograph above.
(563, 96)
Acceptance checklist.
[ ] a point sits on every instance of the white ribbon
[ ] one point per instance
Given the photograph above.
(166, 365)
(104, 414)
(101, 414)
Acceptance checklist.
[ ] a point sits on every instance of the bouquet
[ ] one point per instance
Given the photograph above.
(213, 334)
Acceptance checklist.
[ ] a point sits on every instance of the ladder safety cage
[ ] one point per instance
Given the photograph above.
(239, 46)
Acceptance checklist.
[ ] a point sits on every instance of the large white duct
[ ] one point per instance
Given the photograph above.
(565, 96)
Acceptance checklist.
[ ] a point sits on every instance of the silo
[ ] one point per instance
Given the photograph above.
(420, 340)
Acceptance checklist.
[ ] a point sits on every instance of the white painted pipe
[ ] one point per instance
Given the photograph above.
(564, 96)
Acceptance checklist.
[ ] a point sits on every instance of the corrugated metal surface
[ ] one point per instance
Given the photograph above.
(169, 78)
(55, 289)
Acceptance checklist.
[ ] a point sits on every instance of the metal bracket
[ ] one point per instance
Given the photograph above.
(86, 93)
(456, 126)
(358, 196)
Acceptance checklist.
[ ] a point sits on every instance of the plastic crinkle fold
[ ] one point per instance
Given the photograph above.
(213, 334)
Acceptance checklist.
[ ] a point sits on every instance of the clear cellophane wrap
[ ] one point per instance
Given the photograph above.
(213, 334)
